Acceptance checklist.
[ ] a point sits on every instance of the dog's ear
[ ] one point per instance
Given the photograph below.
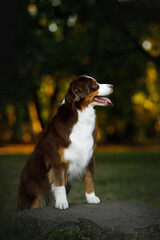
(80, 90)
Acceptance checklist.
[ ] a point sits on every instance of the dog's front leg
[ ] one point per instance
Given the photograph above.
(57, 181)
(89, 184)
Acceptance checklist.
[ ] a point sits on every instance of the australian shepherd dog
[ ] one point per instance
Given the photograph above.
(65, 149)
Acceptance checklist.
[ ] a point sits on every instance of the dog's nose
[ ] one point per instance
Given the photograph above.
(110, 86)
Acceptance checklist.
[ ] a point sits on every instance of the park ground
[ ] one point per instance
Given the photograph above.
(121, 173)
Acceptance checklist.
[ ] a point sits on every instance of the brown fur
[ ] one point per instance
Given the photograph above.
(46, 164)
(89, 177)
(88, 99)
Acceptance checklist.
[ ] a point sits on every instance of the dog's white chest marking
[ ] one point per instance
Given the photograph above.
(80, 150)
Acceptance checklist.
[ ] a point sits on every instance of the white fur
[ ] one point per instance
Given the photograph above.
(63, 102)
(60, 197)
(104, 89)
(80, 150)
(92, 198)
(89, 77)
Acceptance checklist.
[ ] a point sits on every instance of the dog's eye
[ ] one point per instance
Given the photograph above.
(95, 85)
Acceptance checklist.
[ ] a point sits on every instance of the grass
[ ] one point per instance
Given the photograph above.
(131, 176)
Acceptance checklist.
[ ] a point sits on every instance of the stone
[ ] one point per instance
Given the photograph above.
(110, 220)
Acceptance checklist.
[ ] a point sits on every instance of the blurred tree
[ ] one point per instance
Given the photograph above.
(49, 42)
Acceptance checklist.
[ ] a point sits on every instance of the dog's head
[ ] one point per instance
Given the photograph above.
(86, 91)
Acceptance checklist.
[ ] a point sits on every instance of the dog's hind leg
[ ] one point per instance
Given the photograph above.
(24, 202)
(39, 201)
(35, 203)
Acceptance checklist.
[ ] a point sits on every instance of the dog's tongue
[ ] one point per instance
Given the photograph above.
(103, 100)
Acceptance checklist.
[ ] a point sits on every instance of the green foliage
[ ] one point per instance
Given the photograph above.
(136, 237)
(64, 39)
(67, 233)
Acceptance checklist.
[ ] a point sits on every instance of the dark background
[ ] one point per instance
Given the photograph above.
(46, 44)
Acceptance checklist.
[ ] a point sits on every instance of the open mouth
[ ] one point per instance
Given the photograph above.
(103, 100)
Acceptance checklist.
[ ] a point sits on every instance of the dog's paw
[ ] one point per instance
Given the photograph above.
(60, 197)
(61, 205)
(92, 198)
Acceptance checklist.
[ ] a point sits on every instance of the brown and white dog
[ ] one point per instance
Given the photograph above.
(65, 149)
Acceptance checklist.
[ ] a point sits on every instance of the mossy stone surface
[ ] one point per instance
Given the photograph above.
(110, 220)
